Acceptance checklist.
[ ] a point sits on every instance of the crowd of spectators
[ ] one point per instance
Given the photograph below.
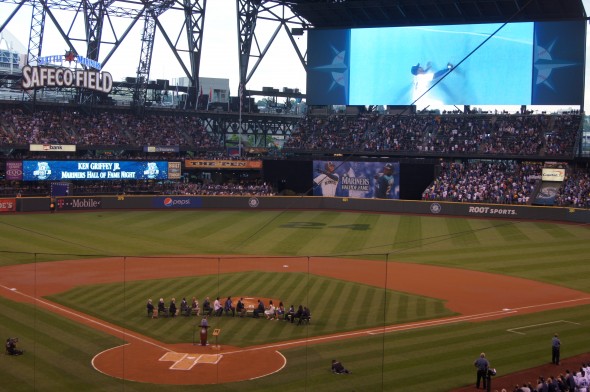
(577, 380)
(103, 129)
(490, 134)
(501, 182)
(575, 191)
(504, 182)
(143, 187)
(493, 134)
(227, 189)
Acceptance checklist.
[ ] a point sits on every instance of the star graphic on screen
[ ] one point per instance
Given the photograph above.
(545, 63)
(337, 68)
(70, 55)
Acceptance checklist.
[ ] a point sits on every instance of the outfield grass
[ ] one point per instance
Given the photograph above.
(430, 359)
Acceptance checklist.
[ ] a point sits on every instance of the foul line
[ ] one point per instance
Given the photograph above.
(85, 318)
(514, 330)
(405, 327)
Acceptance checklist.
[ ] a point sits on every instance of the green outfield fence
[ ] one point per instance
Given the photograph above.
(435, 208)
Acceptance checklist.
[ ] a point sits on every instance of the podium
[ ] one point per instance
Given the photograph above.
(203, 334)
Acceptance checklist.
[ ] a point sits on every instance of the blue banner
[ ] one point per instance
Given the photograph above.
(94, 170)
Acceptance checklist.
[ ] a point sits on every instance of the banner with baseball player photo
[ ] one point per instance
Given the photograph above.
(368, 180)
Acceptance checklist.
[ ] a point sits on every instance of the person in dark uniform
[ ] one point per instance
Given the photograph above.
(162, 311)
(241, 308)
(259, 309)
(11, 347)
(555, 348)
(482, 366)
(207, 309)
(150, 308)
(228, 307)
(172, 308)
(297, 314)
(384, 182)
(338, 368)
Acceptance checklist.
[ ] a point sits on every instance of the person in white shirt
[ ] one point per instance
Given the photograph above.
(582, 382)
(270, 311)
(217, 308)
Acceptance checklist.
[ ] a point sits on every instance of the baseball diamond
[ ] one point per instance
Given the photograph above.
(72, 289)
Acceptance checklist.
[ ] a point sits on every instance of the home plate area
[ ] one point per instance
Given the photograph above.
(184, 361)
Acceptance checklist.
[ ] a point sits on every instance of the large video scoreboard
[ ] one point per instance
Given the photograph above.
(528, 63)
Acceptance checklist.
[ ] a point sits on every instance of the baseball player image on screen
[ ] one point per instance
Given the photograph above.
(327, 180)
(384, 182)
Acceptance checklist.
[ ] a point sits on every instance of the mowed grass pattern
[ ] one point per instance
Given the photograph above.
(338, 306)
(429, 359)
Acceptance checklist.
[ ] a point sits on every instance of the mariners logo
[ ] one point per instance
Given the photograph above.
(435, 208)
(43, 171)
(253, 202)
(152, 170)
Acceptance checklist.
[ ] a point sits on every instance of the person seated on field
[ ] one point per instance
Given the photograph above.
(217, 308)
(172, 308)
(195, 307)
(280, 311)
(150, 308)
(185, 310)
(207, 309)
(11, 347)
(297, 314)
(162, 311)
(338, 368)
(305, 316)
(241, 308)
(259, 309)
(289, 314)
(228, 307)
(269, 313)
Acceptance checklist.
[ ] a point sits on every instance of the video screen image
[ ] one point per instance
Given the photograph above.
(473, 64)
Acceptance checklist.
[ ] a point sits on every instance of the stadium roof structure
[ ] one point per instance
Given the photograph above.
(379, 13)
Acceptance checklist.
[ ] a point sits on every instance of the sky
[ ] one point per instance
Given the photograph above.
(219, 58)
(279, 68)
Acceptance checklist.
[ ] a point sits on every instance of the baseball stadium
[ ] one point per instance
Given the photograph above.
(414, 219)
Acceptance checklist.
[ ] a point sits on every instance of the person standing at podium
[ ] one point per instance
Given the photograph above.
(204, 326)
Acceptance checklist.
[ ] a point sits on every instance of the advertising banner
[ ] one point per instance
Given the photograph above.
(177, 202)
(161, 149)
(94, 170)
(547, 193)
(14, 170)
(78, 203)
(53, 147)
(7, 205)
(378, 180)
(174, 170)
(551, 174)
(222, 164)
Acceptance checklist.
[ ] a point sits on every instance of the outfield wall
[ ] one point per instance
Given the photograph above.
(305, 203)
